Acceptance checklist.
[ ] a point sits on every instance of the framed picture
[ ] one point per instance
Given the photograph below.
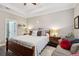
(76, 22)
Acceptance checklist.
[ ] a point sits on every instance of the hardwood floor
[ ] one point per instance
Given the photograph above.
(3, 52)
(46, 52)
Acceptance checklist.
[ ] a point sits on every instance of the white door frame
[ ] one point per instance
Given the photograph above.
(6, 22)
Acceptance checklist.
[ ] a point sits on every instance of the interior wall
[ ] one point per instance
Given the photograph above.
(76, 13)
(62, 20)
(3, 17)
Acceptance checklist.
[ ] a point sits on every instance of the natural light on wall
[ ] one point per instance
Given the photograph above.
(54, 32)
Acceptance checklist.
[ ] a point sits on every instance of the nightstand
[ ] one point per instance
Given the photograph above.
(53, 41)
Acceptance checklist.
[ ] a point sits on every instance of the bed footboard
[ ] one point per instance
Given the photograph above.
(19, 49)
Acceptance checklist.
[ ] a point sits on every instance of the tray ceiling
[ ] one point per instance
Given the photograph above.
(30, 10)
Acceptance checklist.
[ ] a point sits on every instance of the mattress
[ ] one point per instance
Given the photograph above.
(29, 41)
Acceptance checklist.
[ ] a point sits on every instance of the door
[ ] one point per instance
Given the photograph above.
(12, 29)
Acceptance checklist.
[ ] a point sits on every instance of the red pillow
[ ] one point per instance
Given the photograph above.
(65, 44)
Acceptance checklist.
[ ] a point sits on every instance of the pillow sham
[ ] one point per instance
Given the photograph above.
(34, 33)
(39, 33)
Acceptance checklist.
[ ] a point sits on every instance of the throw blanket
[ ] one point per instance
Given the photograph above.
(75, 41)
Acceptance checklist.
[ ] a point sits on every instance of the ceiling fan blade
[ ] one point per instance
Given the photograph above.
(34, 3)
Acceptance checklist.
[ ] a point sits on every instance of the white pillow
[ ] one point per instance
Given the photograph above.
(61, 52)
(74, 48)
(43, 33)
(34, 33)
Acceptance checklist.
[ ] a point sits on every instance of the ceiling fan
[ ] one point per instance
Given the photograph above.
(26, 4)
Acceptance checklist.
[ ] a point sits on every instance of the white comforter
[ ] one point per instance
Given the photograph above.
(28, 41)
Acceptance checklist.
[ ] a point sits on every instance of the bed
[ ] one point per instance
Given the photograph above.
(27, 45)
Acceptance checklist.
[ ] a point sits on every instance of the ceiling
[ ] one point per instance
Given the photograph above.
(31, 10)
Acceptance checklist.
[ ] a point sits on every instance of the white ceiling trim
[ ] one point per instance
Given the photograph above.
(48, 13)
(11, 10)
(36, 12)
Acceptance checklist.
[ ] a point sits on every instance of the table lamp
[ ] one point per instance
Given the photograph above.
(54, 32)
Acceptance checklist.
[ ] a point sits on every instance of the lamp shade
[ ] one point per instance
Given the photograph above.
(54, 32)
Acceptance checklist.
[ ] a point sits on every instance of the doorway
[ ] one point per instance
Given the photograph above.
(10, 28)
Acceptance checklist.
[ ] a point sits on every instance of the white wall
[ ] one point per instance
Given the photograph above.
(62, 20)
(3, 16)
(76, 13)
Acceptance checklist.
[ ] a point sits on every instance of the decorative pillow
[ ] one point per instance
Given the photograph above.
(75, 41)
(43, 33)
(75, 54)
(34, 33)
(65, 44)
(39, 33)
(47, 34)
(74, 48)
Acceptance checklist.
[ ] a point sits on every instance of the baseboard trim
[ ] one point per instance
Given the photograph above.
(2, 44)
